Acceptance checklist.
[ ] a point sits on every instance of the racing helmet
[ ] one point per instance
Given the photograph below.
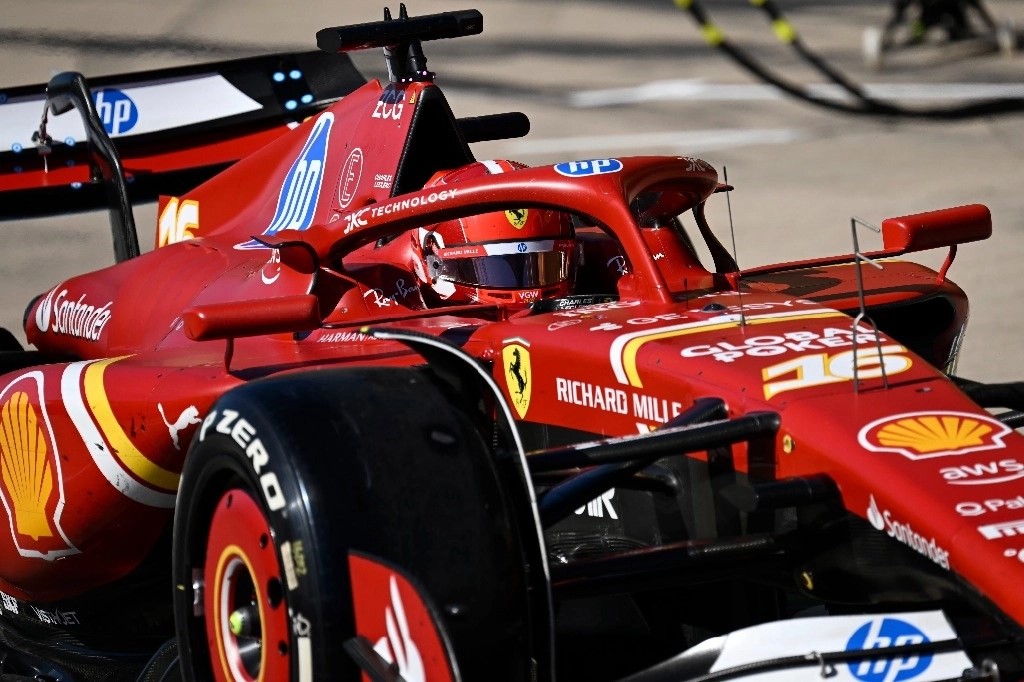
(515, 256)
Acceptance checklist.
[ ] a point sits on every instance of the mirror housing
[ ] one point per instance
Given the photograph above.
(936, 229)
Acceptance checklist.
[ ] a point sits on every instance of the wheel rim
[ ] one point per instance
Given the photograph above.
(246, 618)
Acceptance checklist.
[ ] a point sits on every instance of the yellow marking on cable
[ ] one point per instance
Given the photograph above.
(684, 4)
(784, 30)
(120, 444)
(712, 34)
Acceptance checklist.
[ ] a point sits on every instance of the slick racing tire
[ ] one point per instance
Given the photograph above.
(315, 502)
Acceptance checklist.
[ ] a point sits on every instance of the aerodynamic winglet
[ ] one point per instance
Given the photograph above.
(393, 32)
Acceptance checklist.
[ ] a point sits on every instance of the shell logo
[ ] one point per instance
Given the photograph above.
(26, 470)
(924, 435)
(30, 477)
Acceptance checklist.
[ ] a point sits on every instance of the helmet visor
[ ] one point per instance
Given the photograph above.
(508, 265)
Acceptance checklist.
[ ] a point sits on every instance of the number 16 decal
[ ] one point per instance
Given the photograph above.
(822, 368)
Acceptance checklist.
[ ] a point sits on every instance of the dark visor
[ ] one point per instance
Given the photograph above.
(509, 271)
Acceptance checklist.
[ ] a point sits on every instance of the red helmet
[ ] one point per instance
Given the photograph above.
(515, 256)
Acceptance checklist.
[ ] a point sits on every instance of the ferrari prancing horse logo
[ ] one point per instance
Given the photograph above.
(516, 361)
(517, 216)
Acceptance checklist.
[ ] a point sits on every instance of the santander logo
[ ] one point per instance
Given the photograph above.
(398, 647)
(882, 520)
(58, 314)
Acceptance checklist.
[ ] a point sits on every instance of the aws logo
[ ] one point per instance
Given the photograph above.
(924, 435)
(518, 375)
(300, 192)
(30, 479)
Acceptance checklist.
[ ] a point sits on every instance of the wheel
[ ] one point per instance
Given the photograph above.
(245, 618)
(228, 559)
(322, 527)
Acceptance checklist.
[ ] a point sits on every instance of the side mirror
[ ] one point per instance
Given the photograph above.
(936, 229)
(252, 318)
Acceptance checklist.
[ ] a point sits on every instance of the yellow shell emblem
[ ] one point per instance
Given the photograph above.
(517, 216)
(923, 435)
(931, 434)
(518, 376)
(24, 466)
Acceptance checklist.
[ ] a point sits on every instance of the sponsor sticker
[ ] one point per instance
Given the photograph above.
(925, 435)
(518, 375)
(973, 508)
(580, 169)
(882, 520)
(59, 313)
(1007, 529)
(351, 173)
(31, 485)
(117, 111)
(361, 217)
(390, 106)
(517, 217)
(300, 191)
(880, 633)
(392, 616)
(985, 473)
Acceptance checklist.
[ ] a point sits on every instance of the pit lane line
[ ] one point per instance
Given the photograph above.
(697, 90)
(683, 142)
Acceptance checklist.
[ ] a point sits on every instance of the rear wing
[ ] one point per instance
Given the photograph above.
(172, 128)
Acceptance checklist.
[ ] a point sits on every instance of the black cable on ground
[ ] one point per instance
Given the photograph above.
(862, 103)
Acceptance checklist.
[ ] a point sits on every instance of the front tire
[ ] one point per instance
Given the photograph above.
(320, 511)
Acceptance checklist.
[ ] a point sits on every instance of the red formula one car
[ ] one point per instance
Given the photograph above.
(374, 409)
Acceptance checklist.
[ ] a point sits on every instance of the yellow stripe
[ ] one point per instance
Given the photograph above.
(632, 347)
(120, 444)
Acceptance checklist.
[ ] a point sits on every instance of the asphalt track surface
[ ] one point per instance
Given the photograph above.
(615, 77)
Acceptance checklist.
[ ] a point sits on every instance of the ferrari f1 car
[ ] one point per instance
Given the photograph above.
(374, 409)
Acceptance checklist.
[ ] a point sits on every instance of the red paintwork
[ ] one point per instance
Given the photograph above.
(166, 333)
(239, 557)
(393, 617)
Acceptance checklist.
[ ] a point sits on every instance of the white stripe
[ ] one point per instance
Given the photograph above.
(209, 96)
(696, 90)
(493, 167)
(505, 248)
(682, 142)
(71, 392)
(305, 656)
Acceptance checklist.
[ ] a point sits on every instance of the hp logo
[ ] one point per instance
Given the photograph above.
(882, 633)
(116, 110)
(579, 169)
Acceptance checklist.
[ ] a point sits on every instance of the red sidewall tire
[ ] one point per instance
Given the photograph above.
(294, 611)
